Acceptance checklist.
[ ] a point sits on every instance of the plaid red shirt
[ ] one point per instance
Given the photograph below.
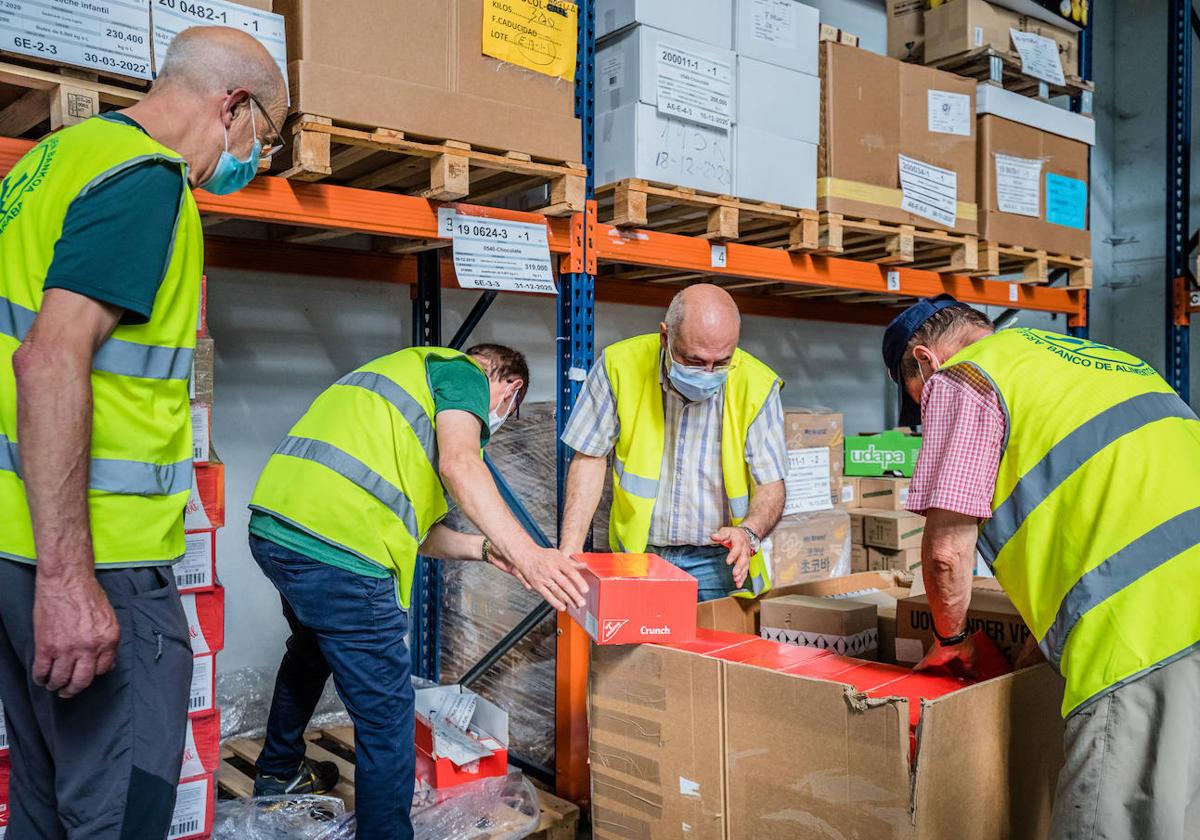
(963, 430)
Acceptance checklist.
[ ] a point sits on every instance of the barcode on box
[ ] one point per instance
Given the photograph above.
(195, 570)
(201, 696)
(191, 809)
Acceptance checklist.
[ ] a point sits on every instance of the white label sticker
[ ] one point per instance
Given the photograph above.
(173, 16)
(904, 496)
(200, 432)
(950, 113)
(195, 570)
(893, 281)
(979, 36)
(720, 256)
(1039, 56)
(692, 87)
(928, 191)
(499, 254)
(689, 788)
(113, 36)
(190, 817)
(1019, 185)
(774, 22)
(847, 493)
(807, 480)
(200, 699)
(1013, 293)
(909, 650)
(612, 73)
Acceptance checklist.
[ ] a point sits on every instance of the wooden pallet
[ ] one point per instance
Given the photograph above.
(870, 240)
(443, 170)
(722, 218)
(977, 64)
(235, 778)
(35, 101)
(1033, 265)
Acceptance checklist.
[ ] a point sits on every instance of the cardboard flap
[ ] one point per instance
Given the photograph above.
(988, 757)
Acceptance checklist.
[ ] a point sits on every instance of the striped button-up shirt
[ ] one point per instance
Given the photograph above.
(691, 502)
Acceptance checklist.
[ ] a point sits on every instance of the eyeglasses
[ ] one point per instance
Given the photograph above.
(274, 140)
(716, 368)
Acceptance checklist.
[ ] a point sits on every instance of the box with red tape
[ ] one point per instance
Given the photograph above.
(202, 745)
(635, 598)
(461, 737)
(205, 613)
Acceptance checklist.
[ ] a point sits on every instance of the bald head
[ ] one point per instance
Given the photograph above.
(211, 60)
(703, 325)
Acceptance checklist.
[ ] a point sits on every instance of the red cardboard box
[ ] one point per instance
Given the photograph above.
(3, 793)
(193, 816)
(767, 654)
(197, 571)
(3, 732)
(205, 613)
(634, 598)
(202, 698)
(206, 504)
(450, 717)
(708, 642)
(202, 746)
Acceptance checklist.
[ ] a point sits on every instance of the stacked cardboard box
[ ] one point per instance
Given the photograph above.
(893, 539)
(809, 546)
(991, 611)
(814, 443)
(4, 772)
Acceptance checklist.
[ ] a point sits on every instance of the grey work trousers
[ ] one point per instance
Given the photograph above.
(1133, 761)
(103, 765)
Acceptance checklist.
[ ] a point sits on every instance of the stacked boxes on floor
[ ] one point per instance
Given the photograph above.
(701, 95)
(203, 602)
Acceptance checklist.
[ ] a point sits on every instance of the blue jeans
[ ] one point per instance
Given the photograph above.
(706, 563)
(351, 626)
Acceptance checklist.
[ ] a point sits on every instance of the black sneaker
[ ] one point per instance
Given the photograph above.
(313, 777)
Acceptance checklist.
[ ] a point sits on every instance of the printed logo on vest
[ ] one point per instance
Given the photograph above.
(24, 179)
(1089, 354)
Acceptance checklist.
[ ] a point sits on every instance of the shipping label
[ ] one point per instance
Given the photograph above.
(192, 801)
(173, 16)
(195, 569)
(1019, 185)
(539, 35)
(807, 480)
(950, 113)
(695, 88)
(1066, 201)
(1039, 56)
(928, 191)
(201, 412)
(499, 254)
(201, 699)
(774, 22)
(112, 36)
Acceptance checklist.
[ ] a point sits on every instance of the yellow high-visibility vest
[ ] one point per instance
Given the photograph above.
(359, 469)
(1095, 527)
(633, 368)
(141, 455)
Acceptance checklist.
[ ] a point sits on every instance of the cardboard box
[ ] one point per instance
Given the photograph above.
(858, 525)
(781, 32)
(1071, 17)
(1033, 187)
(3, 732)
(194, 802)
(875, 111)
(418, 67)
(200, 384)
(884, 493)
(197, 570)
(205, 507)
(710, 21)
(903, 560)
(859, 558)
(893, 529)
(850, 491)
(202, 744)
(906, 29)
(635, 598)
(639, 142)
(963, 25)
(205, 613)
(4, 775)
(202, 697)
(841, 625)
(460, 737)
(990, 611)
(767, 653)
(790, 180)
(761, 87)
(812, 435)
(892, 451)
(809, 546)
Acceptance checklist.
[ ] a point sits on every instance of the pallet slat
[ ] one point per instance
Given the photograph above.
(54, 97)
(976, 64)
(891, 244)
(1033, 265)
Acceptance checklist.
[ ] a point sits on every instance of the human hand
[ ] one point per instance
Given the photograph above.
(553, 575)
(1030, 654)
(75, 634)
(740, 552)
(957, 659)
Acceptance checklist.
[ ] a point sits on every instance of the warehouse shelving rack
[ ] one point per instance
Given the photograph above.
(1182, 292)
(866, 293)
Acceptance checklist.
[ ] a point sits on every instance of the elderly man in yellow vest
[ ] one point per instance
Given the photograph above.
(1073, 468)
(695, 429)
(101, 251)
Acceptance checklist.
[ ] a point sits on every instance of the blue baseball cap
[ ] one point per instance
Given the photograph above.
(895, 341)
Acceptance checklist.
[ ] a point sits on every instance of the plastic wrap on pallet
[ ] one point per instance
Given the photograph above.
(480, 604)
(244, 697)
(276, 817)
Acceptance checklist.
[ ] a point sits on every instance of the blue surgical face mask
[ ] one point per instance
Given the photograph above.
(693, 383)
(232, 174)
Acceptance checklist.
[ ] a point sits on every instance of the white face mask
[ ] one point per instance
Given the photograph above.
(496, 419)
(922, 372)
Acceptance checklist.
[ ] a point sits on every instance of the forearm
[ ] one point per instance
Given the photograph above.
(947, 563)
(585, 485)
(54, 430)
(471, 484)
(445, 543)
(766, 506)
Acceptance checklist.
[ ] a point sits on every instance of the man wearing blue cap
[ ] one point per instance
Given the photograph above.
(1072, 467)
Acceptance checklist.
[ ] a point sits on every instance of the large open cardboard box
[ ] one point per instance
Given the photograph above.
(686, 745)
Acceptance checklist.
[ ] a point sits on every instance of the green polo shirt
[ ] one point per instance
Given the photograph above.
(456, 385)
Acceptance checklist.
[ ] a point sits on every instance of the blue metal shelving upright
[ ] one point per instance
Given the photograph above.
(1183, 23)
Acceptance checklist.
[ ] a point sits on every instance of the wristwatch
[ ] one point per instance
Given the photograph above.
(485, 551)
(951, 641)
(755, 542)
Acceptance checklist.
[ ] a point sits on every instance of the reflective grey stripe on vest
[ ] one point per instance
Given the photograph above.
(757, 585)
(739, 506)
(402, 401)
(124, 358)
(356, 472)
(111, 475)
(1066, 456)
(1142, 556)
(645, 488)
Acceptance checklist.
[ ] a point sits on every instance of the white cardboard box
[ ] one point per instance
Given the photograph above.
(777, 100)
(990, 99)
(710, 21)
(638, 142)
(768, 167)
(781, 32)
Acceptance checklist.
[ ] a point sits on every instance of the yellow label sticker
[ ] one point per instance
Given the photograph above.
(539, 35)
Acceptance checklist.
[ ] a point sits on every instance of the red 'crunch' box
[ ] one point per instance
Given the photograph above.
(205, 612)
(635, 598)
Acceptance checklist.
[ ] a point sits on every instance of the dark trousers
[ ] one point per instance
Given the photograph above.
(351, 626)
(103, 765)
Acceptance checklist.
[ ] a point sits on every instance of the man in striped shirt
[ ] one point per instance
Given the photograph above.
(692, 366)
